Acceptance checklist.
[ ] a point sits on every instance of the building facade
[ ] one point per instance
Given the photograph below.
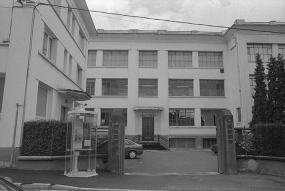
(171, 84)
(43, 53)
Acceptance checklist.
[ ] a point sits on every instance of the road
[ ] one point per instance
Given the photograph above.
(173, 161)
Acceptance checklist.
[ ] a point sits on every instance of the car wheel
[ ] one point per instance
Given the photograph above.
(132, 154)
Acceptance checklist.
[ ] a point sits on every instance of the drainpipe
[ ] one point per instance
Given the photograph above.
(14, 137)
(239, 75)
(27, 71)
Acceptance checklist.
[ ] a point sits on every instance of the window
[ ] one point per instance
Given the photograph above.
(115, 87)
(181, 117)
(265, 51)
(208, 117)
(91, 58)
(211, 59)
(147, 87)
(70, 67)
(81, 40)
(47, 46)
(69, 16)
(41, 102)
(148, 59)
(238, 114)
(281, 49)
(79, 72)
(2, 85)
(73, 25)
(90, 86)
(252, 84)
(179, 59)
(65, 61)
(180, 87)
(115, 58)
(106, 116)
(212, 88)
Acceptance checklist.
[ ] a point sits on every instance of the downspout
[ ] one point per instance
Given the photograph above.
(239, 81)
(27, 73)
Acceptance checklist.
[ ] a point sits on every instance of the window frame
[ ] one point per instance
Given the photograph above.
(175, 61)
(93, 54)
(175, 90)
(208, 92)
(214, 122)
(109, 111)
(145, 84)
(39, 101)
(47, 48)
(148, 60)
(89, 89)
(176, 121)
(281, 49)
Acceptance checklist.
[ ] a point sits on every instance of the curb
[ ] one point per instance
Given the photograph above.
(58, 187)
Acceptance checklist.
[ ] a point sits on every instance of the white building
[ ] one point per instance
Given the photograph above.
(43, 52)
(171, 83)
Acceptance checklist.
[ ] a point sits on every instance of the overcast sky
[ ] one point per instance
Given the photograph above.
(214, 12)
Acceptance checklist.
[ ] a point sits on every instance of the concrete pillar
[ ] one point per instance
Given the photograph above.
(98, 87)
(99, 58)
(195, 60)
(274, 50)
(197, 118)
(196, 87)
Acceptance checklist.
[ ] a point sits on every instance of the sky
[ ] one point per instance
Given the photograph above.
(213, 12)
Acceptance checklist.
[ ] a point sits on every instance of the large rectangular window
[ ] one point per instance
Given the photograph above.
(47, 45)
(180, 87)
(281, 49)
(264, 50)
(115, 87)
(179, 59)
(208, 117)
(42, 102)
(211, 59)
(92, 58)
(148, 59)
(212, 88)
(115, 58)
(106, 116)
(181, 117)
(147, 87)
(90, 86)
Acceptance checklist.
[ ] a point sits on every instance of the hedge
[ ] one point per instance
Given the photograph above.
(44, 138)
(269, 139)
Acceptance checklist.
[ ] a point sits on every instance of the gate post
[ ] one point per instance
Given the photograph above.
(226, 143)
(116, 142)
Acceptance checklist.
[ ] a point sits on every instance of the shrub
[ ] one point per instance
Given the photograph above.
(44, 138)
(269, 139)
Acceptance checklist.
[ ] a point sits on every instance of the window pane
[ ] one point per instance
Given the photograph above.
(212, 88)
(45, 42)
(106, 116)
(179, 59)
(147, 87)
(115, 58)
(180, 87)
(92, 58)
(210, 59)
(41, 102)
(181, 117)
(115, 87)
(148, 59)
(265, 51)
(90, 86)
(208, 117)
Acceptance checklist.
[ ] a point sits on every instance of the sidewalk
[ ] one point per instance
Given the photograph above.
(55, 180)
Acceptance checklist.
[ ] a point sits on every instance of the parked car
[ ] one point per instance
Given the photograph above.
(7, 185)
(132, 149)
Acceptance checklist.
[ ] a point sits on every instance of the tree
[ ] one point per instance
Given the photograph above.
(260, 96)
(276, 90)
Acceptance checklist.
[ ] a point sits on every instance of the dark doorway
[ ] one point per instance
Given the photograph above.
(147, 128)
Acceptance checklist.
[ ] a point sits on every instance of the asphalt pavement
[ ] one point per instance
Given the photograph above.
(151, 177)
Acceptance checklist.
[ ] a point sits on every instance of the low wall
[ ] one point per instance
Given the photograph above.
(261, 164)
(59, 163)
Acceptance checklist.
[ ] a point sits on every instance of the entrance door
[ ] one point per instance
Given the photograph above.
(148, 129)
(63, 114)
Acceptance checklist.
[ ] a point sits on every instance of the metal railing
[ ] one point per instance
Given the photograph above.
(244, 139)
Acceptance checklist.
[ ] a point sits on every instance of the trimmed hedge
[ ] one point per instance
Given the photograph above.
(269, 139)
(44, 138)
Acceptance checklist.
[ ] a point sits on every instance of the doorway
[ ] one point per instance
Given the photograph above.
(147, 128)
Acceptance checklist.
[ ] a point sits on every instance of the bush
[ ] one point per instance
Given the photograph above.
(44, 138)
(269, 139)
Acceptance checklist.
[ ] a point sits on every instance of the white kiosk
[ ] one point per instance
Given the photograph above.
(81, 144)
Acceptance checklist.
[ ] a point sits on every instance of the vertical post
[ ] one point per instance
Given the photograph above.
(226, 143)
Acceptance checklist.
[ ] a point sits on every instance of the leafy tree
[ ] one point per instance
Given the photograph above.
(260, 96)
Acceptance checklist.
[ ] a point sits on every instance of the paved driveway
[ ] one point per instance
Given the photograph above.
(173, 161)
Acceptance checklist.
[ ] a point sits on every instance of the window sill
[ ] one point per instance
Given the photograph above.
(148, 96)
(107, 66)
(192, 127)
(104, 96)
